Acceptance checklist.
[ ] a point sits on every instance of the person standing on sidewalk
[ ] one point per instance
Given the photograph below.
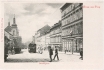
(56, 53)
(81, 53)
(50, 53)
(65, 50)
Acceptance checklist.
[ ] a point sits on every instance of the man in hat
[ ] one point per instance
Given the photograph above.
(56, 53)
(50, 53)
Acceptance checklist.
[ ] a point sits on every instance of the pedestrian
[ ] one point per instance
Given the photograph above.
(50, 53)
(65, 50)
(81, 53)
(56, 53)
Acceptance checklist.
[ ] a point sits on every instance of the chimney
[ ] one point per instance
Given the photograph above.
(8, 23)
(14, 19)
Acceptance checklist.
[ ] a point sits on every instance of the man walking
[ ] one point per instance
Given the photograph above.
(50, 53)
(56, 53)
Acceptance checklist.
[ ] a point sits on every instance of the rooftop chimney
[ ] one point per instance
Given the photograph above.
(8, 23)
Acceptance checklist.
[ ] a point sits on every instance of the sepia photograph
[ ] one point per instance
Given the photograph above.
(43, 32)
(51, 35)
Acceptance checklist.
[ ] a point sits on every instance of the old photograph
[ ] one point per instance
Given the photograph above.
(43, 32)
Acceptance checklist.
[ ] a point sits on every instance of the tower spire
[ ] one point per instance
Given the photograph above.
(14, 21)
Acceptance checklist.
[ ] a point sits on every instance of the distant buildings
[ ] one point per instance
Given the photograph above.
(13, 31)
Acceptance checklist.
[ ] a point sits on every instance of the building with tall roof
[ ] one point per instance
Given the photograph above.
(72, 26)
(40, 38)
(13, 30)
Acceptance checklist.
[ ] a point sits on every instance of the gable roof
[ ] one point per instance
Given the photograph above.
(44, 30)
(8, 29)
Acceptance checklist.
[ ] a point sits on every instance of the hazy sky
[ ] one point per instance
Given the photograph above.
(31, 16)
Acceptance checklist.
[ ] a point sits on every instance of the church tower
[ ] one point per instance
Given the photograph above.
(15, 28)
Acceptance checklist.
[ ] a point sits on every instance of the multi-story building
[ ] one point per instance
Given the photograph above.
(40, 37)
(37, 37)
(55, 36)
(47, 39)
(72, 26)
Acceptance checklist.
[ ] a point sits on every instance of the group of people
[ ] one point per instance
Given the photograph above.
(51, 53)
(40, 50)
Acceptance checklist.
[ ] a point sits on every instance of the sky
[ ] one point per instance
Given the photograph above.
(31, 16)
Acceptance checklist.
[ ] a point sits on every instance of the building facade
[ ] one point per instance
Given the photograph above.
(47, 39)
(55, 36)
(40, 36)
(72, 26)
(37, 38)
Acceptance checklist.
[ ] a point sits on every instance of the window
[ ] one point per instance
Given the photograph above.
(59, 39)
(76, 29)
(81, 13)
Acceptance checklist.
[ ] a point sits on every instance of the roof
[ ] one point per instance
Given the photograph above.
(14, 24)
(8, 33)
(56, 25)
(8, 29)
(44, 30)
(65, 5)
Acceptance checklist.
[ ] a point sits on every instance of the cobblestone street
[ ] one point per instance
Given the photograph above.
(25, 56)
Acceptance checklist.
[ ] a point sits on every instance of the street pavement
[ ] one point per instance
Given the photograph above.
(25, 56)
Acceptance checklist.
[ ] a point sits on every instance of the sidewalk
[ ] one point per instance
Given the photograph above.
(69, 57)
(74, 53)
(67, 53)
